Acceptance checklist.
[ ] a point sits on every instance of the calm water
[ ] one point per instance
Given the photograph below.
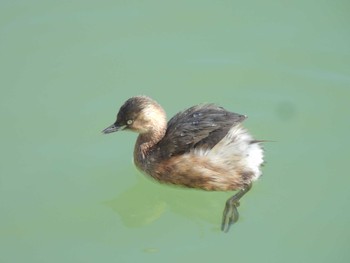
(70, 194)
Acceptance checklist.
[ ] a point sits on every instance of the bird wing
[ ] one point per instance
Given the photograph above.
(201, 126)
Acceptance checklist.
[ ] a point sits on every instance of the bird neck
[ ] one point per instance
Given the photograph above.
(146, 141)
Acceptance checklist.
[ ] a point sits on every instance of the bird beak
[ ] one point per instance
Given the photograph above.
(113, 128)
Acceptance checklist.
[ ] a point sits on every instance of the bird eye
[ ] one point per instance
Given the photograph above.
(129, 122)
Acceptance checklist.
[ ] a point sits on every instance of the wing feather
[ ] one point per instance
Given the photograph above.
(199, 126)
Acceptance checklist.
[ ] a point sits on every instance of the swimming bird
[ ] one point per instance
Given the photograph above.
(203, 147)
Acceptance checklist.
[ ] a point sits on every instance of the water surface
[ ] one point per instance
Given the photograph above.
(70, 194)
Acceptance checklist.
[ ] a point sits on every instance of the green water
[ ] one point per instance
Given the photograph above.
(70, 194)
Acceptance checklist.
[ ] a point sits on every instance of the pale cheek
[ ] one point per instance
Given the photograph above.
(140, 127)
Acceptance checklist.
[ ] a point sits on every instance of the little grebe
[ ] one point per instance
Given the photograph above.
(202, 147)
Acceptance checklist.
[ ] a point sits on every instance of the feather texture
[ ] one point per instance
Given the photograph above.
(201, 126)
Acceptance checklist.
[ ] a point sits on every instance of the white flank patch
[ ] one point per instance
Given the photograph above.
(236, 151)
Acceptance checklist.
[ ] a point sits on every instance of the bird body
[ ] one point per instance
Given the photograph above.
(203, 147)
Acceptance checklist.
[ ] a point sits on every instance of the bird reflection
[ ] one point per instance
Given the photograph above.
(144, 203)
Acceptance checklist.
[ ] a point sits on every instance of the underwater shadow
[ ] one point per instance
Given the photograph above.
(147, 201)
